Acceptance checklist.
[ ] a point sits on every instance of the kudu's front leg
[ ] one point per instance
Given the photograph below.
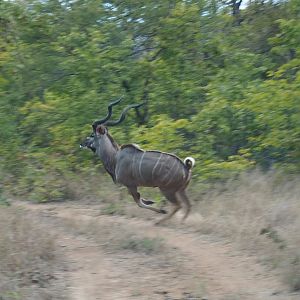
(142, 202)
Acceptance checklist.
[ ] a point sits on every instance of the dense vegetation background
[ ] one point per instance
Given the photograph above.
(220, 81)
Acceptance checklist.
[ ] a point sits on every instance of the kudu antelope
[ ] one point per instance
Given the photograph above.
(133, 167)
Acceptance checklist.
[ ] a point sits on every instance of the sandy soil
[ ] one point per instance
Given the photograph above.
(103, 264)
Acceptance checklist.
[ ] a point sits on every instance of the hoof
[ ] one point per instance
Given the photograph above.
(147, 202)
(162, 211)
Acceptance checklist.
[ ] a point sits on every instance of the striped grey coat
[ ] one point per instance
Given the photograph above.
(136, 167)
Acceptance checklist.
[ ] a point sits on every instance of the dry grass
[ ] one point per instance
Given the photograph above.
(260, 213)
(92, 187)
(27, 257)
(115, 237)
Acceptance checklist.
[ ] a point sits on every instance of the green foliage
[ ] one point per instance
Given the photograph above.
(44, 179)
(221, 88)
(276, 105)
(165, 133)
(3, 200)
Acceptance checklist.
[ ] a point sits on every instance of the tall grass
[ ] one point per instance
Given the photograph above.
(27, 257)
(261, 213)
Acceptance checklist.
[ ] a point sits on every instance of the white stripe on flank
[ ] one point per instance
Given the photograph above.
(160, 167)
(140, 167)
(166, 175)
(174, 173)
(133, 166)
(156, 164)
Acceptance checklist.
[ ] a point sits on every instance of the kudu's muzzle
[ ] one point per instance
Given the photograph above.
(88, 143)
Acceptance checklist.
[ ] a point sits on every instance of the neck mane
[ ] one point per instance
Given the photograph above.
(113, 142)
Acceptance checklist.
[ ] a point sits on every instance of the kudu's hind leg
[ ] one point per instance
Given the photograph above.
(186, 202)
(171, 196)
(142, 203)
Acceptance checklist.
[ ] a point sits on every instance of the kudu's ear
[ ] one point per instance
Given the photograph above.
(101, 130)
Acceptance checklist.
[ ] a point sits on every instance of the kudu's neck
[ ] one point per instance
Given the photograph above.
(107, 150)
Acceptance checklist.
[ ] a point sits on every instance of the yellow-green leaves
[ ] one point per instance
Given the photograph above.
(166, 135)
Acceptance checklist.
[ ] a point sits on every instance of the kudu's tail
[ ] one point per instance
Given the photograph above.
(189, 162)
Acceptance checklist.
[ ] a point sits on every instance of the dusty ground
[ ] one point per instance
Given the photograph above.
(116, 257)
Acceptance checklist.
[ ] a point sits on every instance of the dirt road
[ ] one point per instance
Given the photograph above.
(116, 257)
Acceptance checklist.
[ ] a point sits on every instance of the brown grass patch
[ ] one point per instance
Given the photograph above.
(260, 213)
(27, 257)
